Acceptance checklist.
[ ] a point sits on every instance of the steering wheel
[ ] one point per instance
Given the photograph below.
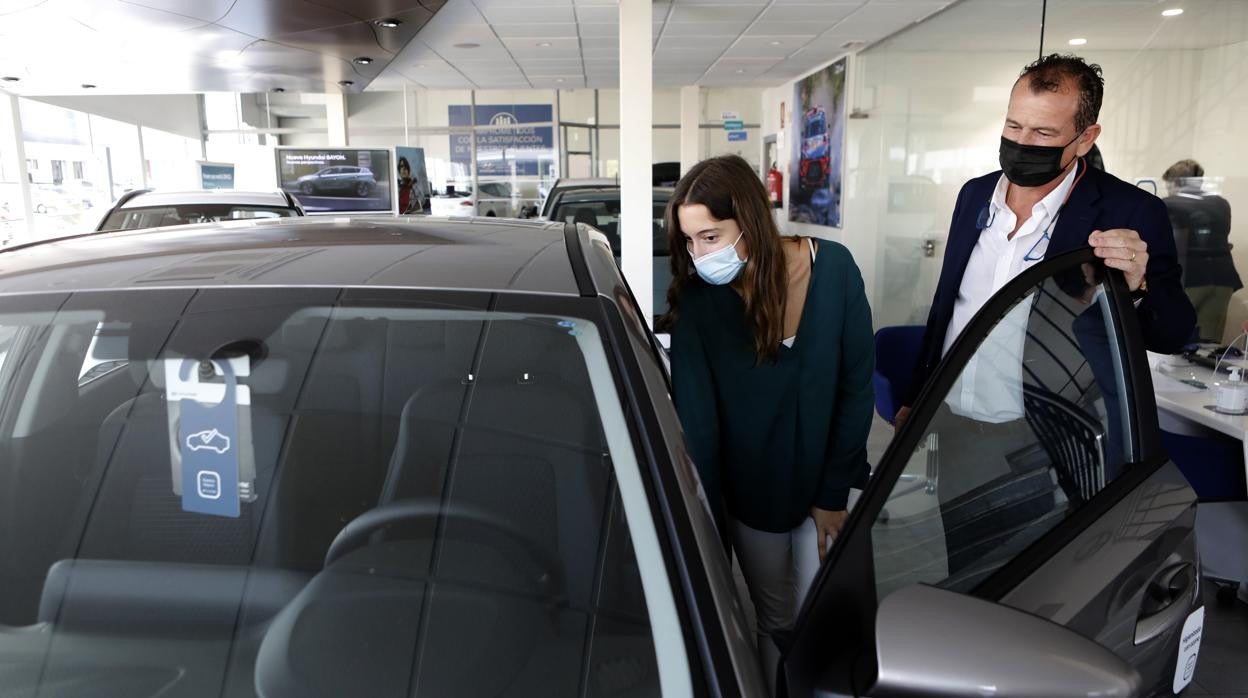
(357, 532)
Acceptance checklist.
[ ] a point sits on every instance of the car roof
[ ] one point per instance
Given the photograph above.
(587, 182)
(207, 196)
(596, 193)
(489, 254)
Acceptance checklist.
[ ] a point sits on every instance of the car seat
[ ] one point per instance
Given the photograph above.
(517, 437)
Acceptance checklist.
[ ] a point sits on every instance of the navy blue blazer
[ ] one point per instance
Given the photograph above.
(1099, 201)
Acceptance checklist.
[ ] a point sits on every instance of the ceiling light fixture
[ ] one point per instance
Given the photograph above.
(544, 44)
(389, 22)
(1077, 42)
(740, 71)
(88, 86)
(467, 45)
(777, 43)
(1172, 12)
(10, 78)
(363, 60)
(558, 79)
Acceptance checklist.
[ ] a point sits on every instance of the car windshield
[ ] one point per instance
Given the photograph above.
(601, 209)
(157, 216)
(315, 491)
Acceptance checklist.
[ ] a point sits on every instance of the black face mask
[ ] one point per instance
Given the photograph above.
(1032, 165)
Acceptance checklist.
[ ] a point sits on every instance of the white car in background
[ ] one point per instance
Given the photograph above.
(494, 199)
(144, 208)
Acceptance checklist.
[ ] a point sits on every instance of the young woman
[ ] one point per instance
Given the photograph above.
(772, 354)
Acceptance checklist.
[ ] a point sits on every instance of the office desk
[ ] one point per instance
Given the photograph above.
(1183, 408)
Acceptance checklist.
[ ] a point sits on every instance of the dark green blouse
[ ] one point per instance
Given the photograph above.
(772, 439)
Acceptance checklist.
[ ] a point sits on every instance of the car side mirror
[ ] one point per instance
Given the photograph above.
(931, 641)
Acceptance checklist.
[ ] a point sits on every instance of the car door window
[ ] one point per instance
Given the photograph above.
(1036, 424)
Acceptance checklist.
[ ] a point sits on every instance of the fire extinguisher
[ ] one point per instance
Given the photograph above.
(775, 186)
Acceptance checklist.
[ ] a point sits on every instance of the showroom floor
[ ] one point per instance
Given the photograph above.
(1223, 666)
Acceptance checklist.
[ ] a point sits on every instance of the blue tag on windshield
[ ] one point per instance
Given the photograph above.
(208, 439)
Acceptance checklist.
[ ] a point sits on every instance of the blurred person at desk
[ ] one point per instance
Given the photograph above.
(1202, 229)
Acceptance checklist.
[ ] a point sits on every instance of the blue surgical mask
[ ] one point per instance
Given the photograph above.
(721, 266)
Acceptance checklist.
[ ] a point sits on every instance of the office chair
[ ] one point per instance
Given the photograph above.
(896, 353)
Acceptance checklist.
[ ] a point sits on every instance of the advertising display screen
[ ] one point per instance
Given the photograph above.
(338, 180)
(216, 175)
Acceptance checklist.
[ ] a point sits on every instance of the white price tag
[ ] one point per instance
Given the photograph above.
(1189, 649)
(208, 393)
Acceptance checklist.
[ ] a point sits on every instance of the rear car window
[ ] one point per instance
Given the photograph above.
(290, 492)
(603, 212)
(157, 216)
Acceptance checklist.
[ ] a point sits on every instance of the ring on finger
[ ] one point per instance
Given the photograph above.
(1133, 254)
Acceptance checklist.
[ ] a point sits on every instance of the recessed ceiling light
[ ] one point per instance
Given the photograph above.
(558, 79)
(467, 45)
(544, 44)
(777, 43)
(346, 83)
(389, 22)
(10, 78)
(363, 60)
(1172, 12)
(88, 86)
(1077, 42)
(740, 71)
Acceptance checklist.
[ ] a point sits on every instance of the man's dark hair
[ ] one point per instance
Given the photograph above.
(1049, 74)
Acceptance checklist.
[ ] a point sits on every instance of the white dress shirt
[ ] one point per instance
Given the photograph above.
(990, 387)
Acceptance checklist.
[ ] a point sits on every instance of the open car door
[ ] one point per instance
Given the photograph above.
(1024, 534)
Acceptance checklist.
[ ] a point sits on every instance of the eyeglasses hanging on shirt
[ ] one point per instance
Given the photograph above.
(987, 216)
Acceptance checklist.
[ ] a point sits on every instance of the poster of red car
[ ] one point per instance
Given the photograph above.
(815, 160)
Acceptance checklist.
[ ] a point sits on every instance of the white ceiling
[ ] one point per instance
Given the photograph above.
(576, 43)
(1108, 25)
(184, 46)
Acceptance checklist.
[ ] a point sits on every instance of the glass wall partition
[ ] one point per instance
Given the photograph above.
(12, 210)
(68, 177)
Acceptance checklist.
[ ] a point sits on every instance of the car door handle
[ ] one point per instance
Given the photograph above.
(1168, 601)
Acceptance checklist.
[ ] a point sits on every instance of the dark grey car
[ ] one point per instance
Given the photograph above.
(339, 179)
(438, 457)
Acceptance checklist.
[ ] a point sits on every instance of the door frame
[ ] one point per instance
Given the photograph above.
(833, 642)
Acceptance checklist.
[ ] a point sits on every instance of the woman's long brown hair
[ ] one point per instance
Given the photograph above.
(730, 189)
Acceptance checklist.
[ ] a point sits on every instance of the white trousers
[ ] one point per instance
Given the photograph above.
(778, 569)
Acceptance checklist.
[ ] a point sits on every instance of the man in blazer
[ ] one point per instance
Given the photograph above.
(1045, 201)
